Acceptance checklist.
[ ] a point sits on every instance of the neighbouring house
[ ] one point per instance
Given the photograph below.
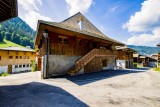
(153, 60)
(8, 9)
(145, 60)
(16, 59)
(73, 46)
(125, 57)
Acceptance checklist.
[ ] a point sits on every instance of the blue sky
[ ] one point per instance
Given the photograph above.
(130, 21)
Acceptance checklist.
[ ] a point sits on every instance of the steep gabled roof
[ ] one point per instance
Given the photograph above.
(71, 24)
(88, 26)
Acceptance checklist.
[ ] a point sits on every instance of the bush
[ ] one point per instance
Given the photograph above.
(4, 74)
(34, 65)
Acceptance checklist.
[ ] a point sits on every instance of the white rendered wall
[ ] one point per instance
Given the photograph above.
(121, 64)
(3, 69)
(14, 70)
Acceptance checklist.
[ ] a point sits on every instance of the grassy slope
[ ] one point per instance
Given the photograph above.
(7, 43)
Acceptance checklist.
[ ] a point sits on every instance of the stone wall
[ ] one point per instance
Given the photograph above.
(60, 64)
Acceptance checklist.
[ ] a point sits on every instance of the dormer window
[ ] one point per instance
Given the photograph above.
(81, 23)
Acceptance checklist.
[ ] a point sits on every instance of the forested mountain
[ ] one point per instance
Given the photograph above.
(145, 50)
(17, 31)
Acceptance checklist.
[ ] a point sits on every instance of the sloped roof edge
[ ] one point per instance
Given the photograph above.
(59, 25)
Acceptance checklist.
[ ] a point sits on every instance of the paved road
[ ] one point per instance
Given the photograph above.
(122, 88)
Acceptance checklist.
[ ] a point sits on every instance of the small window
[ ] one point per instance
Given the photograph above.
(27, 65)
(104, 63)
(16, 66)
(28, 57)
(79, 42)
(65, 41)
(24, 65)
(32, 53)
(0, 57)
(20, 66)
(20, 57)
(59, 40)
(30, 65)
(87, 44)
(10, 57)
(16, 57)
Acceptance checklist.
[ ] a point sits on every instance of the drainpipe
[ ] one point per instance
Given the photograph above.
(45, 72)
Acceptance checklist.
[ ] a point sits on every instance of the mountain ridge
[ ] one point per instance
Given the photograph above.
(145, 50)
(18, 31)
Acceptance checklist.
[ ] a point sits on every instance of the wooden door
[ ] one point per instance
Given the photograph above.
(39, 63)
(9, 68)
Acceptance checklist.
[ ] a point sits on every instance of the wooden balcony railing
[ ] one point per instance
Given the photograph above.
(83, 61)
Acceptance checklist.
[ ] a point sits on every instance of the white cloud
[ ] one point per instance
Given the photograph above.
(75, 6)
(145, 39)
(29, 12)
(147, 19)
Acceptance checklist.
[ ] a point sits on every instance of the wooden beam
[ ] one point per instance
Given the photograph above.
(5, 3)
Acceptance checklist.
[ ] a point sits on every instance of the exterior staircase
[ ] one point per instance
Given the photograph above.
(83, 61)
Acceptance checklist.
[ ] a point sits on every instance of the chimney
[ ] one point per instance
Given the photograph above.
(81, 23)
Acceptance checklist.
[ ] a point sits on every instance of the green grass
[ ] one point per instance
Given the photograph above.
(156, 69)
(4, 74)
(7, 43)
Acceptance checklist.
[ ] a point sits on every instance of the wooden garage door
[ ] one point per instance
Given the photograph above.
(94, 65)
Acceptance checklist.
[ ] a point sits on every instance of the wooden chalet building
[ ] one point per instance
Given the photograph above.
(125, 57)
(8, 9)
(16, 59)
(73, 46)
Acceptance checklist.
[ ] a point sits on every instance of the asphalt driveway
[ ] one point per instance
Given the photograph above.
(122, 88)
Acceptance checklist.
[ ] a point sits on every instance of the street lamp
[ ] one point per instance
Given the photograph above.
(45, 59)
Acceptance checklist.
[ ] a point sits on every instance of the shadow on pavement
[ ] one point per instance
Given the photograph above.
(36, 94)
(89, 78)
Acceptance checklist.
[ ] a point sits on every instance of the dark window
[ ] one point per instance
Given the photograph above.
(30, 65)
(27, 65)
(104, 63)
(32, 53)
(16, 57)
(20, 66)
(24, 65)
(0, 57)
(10, 57)
(79, 42)
(20, 57)
(87, 44)
(28, 57)
(65, 40)
(59, 40)
(94, 44)
(16, 66)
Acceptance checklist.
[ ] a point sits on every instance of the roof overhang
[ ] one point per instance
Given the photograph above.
(126, 49)
(8, 9)
(158, 44)
(56, 28)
